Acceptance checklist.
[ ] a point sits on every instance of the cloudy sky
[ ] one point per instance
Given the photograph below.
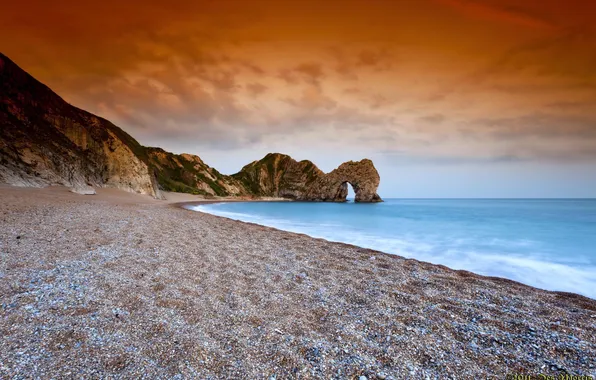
(449, 98)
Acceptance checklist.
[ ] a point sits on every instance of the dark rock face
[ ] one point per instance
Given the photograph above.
(44, 140)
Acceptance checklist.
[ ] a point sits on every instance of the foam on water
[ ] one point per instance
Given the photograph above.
(549, 244)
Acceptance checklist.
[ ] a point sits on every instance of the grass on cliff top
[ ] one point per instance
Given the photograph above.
(167, 184)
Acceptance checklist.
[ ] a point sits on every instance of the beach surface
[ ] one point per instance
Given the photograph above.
(124, 286)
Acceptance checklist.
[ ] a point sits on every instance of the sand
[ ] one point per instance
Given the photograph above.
(124, 286)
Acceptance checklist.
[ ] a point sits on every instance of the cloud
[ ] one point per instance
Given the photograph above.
(572, 105)
(238, 74)
(251, 66)
(569, 154)
(308, 72)
(540, 125)
(512, 14)
(554, 64)
(433, 119)
(576, 45)
(449, 159)
(378, 101)
(352, 90)
(312, 98)
(312, 73)
(256, 89)
(380, 59)
(534, 137)
(349, 63)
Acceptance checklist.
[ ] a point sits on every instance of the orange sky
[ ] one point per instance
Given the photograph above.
(406, 81)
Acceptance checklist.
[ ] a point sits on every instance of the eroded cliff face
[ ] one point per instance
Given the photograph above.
(44, 141)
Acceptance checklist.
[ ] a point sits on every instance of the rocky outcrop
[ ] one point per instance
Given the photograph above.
(187, 173)
(83, 190)
(278, 175)
(333, 187)
(44, 140)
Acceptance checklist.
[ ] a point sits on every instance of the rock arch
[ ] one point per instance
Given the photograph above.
(349, 190)
(333, 187)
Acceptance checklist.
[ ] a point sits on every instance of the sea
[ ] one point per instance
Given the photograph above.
(545, 243)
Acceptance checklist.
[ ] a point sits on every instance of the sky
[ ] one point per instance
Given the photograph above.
(449, 98)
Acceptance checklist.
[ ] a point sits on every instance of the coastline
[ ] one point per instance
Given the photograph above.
(186, 204)
(115, 285)
(467, 273)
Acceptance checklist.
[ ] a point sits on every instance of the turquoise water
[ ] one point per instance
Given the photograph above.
(546, 243)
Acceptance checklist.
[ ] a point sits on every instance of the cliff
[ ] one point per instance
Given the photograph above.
(187, 173)
(44, 140)
(278, 175)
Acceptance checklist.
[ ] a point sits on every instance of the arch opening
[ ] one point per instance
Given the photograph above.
(351, 195)
(346, 192)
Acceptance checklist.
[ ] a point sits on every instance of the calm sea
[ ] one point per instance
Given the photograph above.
(546, 243)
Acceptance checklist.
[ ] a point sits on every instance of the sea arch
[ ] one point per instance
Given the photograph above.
(333, 187)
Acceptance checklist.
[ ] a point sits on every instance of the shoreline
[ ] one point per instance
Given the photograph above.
(186, 205)
(128, 289)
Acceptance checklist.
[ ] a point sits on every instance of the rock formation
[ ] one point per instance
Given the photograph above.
(278, 175)
(44, 141)
(333, 186)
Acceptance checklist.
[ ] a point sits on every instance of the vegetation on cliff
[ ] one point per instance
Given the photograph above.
(189, 174)
(278, 175)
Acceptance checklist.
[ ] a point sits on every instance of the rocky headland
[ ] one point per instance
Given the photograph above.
(44, 141)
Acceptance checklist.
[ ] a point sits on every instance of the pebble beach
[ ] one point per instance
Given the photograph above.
(119, 285)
